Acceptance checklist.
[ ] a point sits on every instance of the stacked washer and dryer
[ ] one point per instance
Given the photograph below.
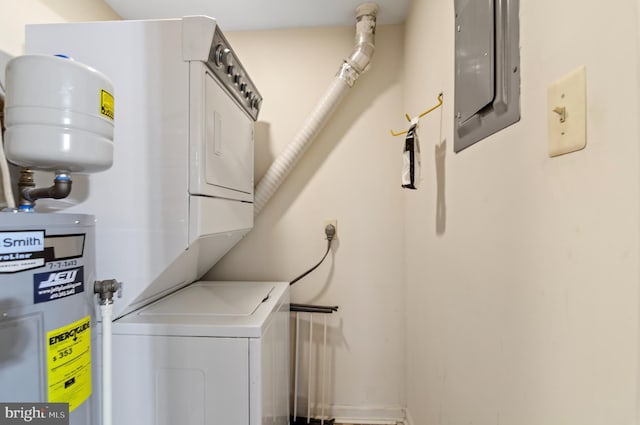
(178, 196)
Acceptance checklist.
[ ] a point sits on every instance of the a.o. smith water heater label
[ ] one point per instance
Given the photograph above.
(54, 285)
(21, 250)
(69, 363)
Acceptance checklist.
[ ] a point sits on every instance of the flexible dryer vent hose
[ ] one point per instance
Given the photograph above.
(357, 63)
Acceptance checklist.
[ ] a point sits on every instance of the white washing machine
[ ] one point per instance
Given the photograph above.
(212, 353)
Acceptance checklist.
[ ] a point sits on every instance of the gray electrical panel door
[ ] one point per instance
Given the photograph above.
(487, 73)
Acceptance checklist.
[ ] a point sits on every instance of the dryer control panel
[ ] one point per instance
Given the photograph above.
(232, 76)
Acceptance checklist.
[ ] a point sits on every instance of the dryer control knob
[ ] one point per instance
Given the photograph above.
(222, 56)
(255, 102)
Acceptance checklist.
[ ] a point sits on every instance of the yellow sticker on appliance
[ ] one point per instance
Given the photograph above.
(69, 363)
(106, 104)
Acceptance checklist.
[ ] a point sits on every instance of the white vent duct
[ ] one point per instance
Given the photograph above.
(349, 72)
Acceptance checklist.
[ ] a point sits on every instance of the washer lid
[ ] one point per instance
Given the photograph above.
(223, 299)
(211, 309)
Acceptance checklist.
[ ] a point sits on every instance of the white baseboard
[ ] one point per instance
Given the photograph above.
(368, 415)
(408, 420)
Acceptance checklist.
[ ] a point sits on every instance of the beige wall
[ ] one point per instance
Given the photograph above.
(522, 296)
(16, 14)
(351, 174)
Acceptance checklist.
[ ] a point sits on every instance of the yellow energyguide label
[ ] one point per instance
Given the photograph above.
(106, 104)
(69, 363)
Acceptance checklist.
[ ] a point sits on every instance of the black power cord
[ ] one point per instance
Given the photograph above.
(330, 232)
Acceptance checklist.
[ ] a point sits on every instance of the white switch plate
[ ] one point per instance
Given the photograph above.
(569, 133)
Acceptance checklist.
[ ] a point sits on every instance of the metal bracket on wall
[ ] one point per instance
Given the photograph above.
(428, 111)
(487, 69)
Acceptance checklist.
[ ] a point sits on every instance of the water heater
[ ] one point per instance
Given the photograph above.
(47, 315)
(58, 118)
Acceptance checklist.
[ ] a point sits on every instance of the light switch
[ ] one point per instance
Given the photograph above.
(567, 113)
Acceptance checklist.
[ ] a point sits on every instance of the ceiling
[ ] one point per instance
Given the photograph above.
(242, 15)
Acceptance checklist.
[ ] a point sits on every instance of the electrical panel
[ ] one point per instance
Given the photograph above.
(487, 69)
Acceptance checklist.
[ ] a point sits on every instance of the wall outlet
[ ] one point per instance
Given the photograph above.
(333, 222)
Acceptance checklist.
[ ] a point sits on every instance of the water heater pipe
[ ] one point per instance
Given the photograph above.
(357, 63)
(106, 311)
(106, 289)
(29, 194)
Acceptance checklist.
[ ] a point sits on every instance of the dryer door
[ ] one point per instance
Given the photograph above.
(221, 140)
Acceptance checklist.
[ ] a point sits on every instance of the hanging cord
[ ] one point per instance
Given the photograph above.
(330, 231)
